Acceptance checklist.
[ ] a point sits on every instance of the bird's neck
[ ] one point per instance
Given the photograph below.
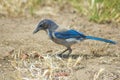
(50, 33)
(51, 30)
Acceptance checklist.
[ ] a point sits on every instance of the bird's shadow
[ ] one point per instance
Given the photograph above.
(74, 56)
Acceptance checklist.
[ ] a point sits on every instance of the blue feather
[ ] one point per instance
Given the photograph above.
(100, 39)
(79, 36)
(69, 34)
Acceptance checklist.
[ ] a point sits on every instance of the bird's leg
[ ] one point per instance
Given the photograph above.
(70, 51)
(63, 51)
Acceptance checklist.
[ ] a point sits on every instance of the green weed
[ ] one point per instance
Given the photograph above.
(100, 11)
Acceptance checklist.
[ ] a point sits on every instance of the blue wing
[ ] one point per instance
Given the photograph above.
(69, 34)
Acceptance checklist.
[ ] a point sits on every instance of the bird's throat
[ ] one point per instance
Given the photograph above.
(49, 32)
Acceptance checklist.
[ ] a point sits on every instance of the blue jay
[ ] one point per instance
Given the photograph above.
(65, 37)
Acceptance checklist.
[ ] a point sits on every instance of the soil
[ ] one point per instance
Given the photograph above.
(99, 58)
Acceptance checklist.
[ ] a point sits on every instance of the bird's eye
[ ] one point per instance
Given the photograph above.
(45, 26)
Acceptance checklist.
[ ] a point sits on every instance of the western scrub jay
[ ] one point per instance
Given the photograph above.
(65, 37)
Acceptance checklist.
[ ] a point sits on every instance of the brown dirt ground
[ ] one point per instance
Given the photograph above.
(16, 34)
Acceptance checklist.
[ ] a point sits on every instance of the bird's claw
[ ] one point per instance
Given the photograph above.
(60, 55)
(63, 56)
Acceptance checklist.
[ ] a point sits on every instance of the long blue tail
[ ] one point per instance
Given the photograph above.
(100, 39)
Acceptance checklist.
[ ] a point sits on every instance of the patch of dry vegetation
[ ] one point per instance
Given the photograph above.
(36, 66)
(18, 7)
(100, 11)
(43, 67)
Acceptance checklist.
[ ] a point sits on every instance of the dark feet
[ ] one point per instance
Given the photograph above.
(63, 55)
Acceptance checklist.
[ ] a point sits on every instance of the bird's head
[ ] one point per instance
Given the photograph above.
(45, 24)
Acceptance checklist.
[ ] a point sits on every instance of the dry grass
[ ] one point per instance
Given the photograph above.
(43, 67)
(35, 66)
(18, 7)
(100, 11)
(96, 76)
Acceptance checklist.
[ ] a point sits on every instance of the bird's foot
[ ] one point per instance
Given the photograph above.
(60, 55)
(63, 55)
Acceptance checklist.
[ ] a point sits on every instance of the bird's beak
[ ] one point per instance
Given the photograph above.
(36, 30)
